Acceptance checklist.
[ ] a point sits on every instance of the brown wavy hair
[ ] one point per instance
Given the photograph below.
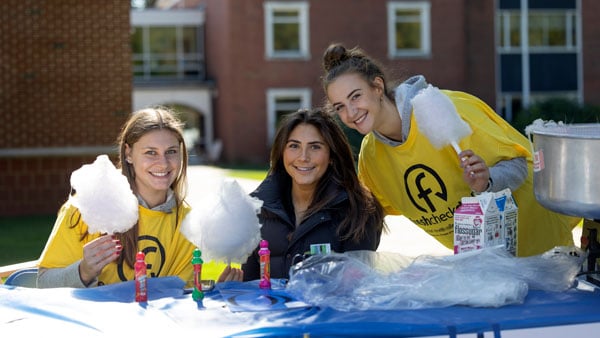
(140, 123)
(365, 211)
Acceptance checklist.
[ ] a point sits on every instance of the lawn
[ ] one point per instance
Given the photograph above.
(23, 237)
(250, 172)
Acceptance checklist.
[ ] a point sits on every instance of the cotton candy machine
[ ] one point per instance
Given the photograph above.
(566, 178)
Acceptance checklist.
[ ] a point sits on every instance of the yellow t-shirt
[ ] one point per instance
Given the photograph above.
(168, 252)
(425, 184)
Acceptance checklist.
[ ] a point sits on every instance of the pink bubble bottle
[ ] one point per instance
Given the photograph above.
(141, 287)
(265, 265)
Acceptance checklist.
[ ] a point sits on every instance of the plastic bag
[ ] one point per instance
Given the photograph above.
(484, 278)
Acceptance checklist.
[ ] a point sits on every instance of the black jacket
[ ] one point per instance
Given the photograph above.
(278, 222)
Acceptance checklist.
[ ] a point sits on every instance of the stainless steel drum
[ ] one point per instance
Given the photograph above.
(567, 168)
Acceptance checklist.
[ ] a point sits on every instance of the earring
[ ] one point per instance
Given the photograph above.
(128, 160)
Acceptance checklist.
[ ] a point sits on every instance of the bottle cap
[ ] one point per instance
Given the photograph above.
(196, 257)
(140, 256)
(264, 243)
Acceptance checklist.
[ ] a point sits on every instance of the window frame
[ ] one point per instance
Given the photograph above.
(304, 94)
(303, 21)
(144, 20)
(424, 8)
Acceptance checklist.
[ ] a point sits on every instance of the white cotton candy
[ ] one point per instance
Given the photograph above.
(540, 125)
(104, 197)
(225, 225)
(438, 119)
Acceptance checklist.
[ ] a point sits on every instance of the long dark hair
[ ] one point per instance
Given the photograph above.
(365, 211)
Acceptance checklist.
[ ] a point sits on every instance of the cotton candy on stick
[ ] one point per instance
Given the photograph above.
(438, 119)
(225, 226)
(104, 197)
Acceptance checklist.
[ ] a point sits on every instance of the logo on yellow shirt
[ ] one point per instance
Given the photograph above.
(427, 187)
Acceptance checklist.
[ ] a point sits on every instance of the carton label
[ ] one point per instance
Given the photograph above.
(477, 224)
(509, 218)
(486, 220)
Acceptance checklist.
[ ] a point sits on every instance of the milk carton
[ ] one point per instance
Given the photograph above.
(477, 223)
(509, 218)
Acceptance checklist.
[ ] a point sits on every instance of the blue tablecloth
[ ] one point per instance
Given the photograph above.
(243, 310)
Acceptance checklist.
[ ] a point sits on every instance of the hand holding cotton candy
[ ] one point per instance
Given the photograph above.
(438, 119)
(104, 197)
(225, 227)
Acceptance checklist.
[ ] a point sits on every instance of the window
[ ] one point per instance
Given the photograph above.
(539, 53)
(167, 44)
(286, 30)
(409, 29)
(547, 30)
(166, 52)
(284, 101)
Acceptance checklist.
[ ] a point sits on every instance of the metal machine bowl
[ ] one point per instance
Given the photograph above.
(566, 174)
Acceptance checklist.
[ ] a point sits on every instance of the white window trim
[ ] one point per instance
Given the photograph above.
(156, 17)
(424, 8)
(305, 95)
(302, 8)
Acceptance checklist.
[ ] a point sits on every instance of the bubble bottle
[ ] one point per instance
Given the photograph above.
(265, 265)
(197, 261)
(141, 287)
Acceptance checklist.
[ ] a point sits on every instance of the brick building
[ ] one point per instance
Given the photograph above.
(65, 90)
(74, 70)
(265, 56)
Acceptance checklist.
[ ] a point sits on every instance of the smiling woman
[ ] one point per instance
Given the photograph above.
(156, 161)
(312, 196)
(153, 158)
(306, 158)
(494, 156)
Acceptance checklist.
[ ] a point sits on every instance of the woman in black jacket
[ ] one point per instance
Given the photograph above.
(312, 196)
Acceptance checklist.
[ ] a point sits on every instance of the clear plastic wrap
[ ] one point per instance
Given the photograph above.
(365, 280)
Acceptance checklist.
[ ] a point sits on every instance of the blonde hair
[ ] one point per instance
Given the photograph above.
(141, 122)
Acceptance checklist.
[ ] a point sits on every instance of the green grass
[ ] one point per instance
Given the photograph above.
(24, 237)
(249, 174)
(247, 171)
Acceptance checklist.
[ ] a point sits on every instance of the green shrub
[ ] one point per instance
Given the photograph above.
(556, 109)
